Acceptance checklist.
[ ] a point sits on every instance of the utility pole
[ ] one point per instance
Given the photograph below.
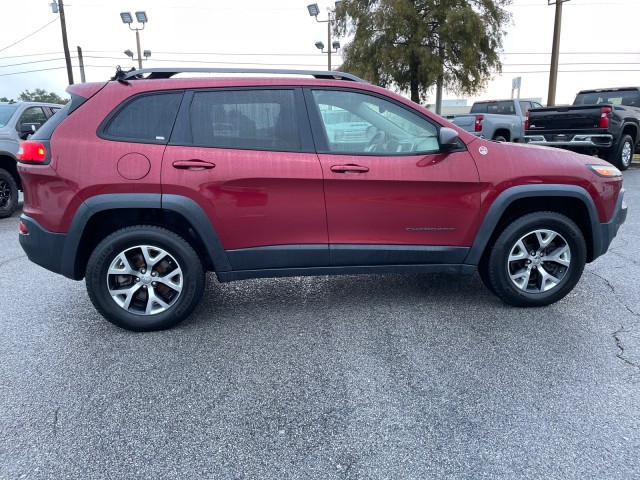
(65, 43)
(81, 63)
(555, 52)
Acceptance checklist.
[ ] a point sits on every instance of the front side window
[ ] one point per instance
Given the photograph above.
(359, 123)
(262, 119)
(148, 118)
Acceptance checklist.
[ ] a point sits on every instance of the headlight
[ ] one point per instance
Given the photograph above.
(607, 171)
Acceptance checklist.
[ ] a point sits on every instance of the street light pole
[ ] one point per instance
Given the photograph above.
(314, 10)
(555, 52)
(141, 17)
(138, 45)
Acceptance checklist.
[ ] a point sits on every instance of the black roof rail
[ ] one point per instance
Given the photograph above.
(154, 73)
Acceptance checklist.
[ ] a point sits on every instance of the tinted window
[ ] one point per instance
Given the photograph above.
(47, 129)
(620, 97)
(32, 115)
(148, 118)
(6, 111)
(525, 106)
(359, 123)
(499, 108)
(245, 119)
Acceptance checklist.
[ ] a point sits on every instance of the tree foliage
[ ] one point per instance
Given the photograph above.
(40, 95)
(410, 43)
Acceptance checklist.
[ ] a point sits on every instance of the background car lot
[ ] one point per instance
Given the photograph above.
(408, 376)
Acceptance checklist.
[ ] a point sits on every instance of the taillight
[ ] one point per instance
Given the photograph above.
(479, 119)
(604, 117)
(526, 121)
(32, 152)
(23, 228)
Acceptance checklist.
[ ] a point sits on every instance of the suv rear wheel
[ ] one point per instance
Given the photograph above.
(145, 278)
(536, 260)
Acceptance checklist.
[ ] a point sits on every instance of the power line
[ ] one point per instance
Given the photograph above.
(31, 34)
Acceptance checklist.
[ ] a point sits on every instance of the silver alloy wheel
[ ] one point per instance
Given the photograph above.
(625, 157)
(539, 261)
(145, 280)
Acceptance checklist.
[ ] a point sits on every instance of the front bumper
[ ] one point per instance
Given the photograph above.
(606, 232)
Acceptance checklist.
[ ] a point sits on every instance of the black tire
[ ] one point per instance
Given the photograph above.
(622, 156)
(170, 278)
(524, 280)
(8, 194)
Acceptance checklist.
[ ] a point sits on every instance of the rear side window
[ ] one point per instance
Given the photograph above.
(33, 115)
(146, 119)
(498, 108)
(245, 119)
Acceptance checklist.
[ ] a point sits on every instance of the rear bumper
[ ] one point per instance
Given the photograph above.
(43, 247)
(578, 141)
(606, 232)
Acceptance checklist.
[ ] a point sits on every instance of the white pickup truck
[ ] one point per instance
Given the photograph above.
(500, 120)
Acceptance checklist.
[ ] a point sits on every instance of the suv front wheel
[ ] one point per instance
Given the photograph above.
(536, 260)
(145, 278)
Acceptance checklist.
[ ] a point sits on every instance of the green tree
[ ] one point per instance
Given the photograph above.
(5, 99)
(413, 44)
(40, 95)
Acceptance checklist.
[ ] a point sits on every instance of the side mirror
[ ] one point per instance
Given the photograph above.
(448, 139)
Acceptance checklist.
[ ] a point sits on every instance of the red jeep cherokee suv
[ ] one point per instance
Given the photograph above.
(144, 183)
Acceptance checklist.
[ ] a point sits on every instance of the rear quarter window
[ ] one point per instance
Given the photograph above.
(146, 119)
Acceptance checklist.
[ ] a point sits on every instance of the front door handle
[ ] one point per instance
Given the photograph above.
(349, 169)
(193, 165)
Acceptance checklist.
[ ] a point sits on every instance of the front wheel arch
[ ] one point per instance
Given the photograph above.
(569, 200)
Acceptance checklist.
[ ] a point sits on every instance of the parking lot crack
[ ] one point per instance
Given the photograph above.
(12, 260)
(635, 262)
(619, 344)
(55, 421)
(613, 290)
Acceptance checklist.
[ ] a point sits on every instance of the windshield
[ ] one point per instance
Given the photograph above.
(5, 113)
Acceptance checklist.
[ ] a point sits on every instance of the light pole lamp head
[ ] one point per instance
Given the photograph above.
(335, 44)
(319, 45)
(314, 10)
(126, 17)
(128, 53)
(147, 54)
(142, 17)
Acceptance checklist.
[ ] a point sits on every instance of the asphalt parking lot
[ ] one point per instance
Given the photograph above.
(382, 377)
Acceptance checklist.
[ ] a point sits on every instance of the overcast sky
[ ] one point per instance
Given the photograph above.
(599, 45)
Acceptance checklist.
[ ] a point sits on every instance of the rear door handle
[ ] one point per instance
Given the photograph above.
(194, 165)
(349, 169)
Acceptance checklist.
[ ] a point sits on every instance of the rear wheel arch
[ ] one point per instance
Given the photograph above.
(631, 130)
(103, 215)
(502, 133)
